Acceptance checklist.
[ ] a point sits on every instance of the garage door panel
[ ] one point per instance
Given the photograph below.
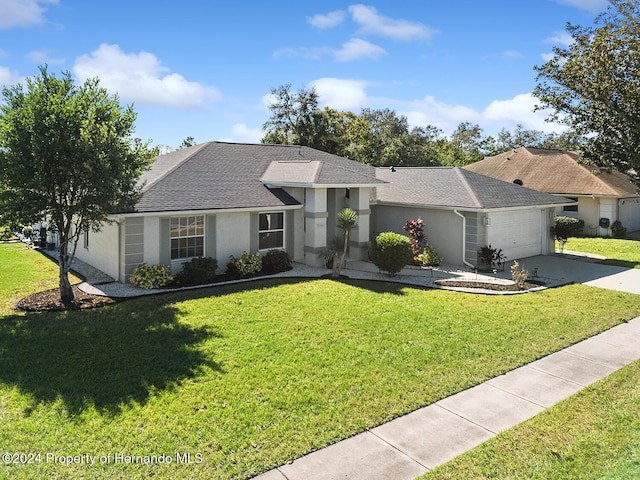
(517, 233)
(629, 213)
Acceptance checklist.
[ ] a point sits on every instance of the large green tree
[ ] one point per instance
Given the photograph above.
(295, 117)
(593, 85)
(67, 153)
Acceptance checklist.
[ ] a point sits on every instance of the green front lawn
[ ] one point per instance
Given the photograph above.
(251, 376)
(594, 434)
(24, 271)
(625, 253)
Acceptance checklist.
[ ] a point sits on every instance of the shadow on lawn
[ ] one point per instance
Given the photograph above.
(108, 357)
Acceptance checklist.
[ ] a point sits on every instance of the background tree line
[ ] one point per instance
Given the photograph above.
(592, 86)
(384, 138)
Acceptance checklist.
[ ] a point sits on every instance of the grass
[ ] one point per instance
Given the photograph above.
(251, 376)
(624, 253)
(24, 271)
(594, 434)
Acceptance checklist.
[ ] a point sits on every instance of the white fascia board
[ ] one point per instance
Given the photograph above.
(180, 213)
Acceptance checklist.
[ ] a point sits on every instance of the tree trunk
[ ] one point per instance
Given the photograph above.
(66, 292)
(344, 251)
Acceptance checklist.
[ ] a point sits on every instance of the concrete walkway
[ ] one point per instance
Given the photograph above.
(410, 446)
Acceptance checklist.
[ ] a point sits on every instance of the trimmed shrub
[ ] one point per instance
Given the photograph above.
(617, 230)
(150, 276)
(429, 257)
(245, 266)
(391, 252)
(566, 227)
(198, 271)
(276, 261)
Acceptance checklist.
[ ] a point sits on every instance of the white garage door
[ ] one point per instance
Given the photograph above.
(629, 213)
(517, 233)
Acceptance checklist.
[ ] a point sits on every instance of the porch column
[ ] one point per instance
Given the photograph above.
(315, 218)
(359, 238)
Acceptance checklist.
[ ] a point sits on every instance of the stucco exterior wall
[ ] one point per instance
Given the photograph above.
(233, 236)
(443, 228)
(102, 252)
(132, 250)
(295, 227)
(152, 240)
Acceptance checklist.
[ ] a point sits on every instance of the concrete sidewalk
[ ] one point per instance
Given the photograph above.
(410, 446)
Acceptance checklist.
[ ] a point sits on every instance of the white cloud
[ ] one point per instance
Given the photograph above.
(350, 51)
(589, 5)
(22, 13)
(42, 56)
(561, 39)
(243, 134)
(520, 110)
(9, 78)
(341, 94)
(375, 24)
(358, 49)
(142, 79)
(312, 53)
(497, 115)
(429, 111)
(511, 54)
(329, 20)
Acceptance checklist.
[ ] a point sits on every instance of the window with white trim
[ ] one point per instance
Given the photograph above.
(187, 237)
(570, 208)
(271, 231)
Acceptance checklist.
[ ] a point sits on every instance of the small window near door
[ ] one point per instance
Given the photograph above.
(271, 231)
(86, 239)
(570, 208)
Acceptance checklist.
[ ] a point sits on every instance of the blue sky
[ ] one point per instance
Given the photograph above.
(205, 68)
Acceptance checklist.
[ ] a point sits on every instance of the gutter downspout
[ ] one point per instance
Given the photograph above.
(464, 238)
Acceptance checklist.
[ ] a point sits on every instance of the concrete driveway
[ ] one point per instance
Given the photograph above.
(585, 271)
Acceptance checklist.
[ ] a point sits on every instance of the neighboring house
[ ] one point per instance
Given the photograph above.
(220, 199)
(463, 211)
(602, 196)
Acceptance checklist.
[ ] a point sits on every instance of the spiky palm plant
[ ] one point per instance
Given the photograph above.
(347, 221)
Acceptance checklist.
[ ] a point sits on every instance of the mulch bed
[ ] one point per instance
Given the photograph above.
(489, 286)
(49, 300)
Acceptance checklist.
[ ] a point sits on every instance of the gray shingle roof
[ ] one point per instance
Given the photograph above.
(218, 175)
(450, 187)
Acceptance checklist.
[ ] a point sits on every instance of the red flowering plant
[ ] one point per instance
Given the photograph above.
(415, 230)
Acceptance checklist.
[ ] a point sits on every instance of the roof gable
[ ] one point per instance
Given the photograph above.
(452, 187)
(219, 175)
(554, 171)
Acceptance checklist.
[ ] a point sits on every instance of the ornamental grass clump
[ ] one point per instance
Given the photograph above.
(519, 275)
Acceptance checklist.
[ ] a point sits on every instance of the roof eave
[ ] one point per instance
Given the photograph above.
(470, 209)
(321, 185)
(206, 211)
